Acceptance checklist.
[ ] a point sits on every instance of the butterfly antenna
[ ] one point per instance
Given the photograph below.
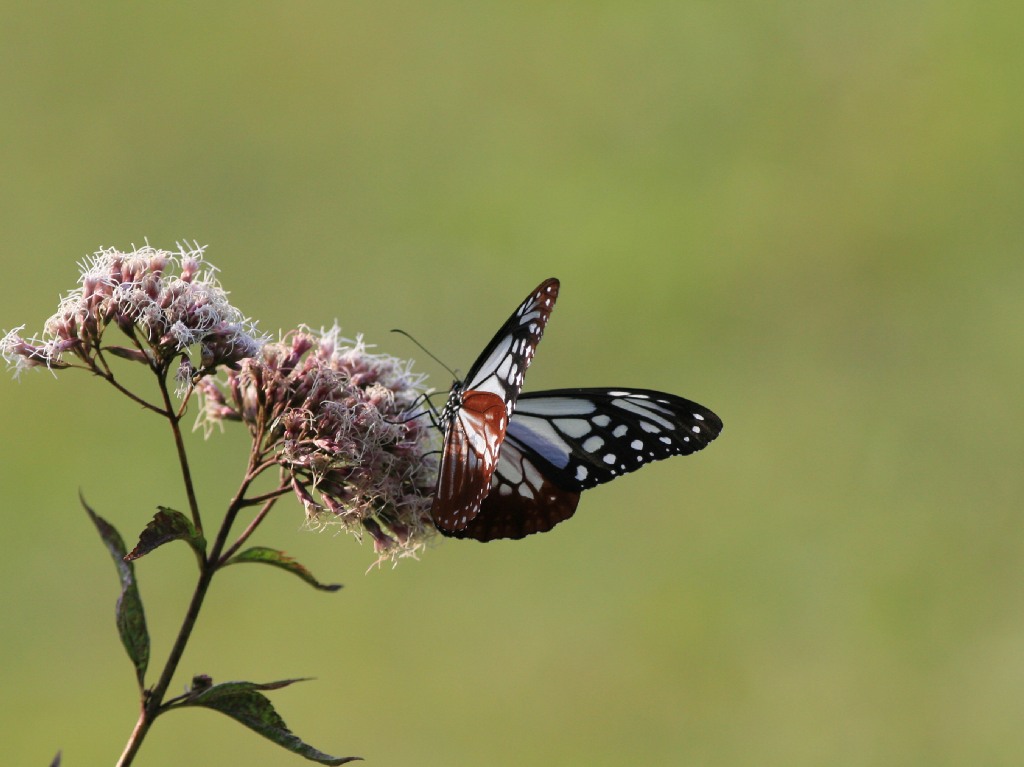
(426, 351)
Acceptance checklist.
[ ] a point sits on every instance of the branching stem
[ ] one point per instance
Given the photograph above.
(153, 699)
(108, 376)
(250, 528)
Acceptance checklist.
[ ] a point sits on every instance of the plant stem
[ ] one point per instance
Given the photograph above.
(249, 529)
(152, 700)
(108, 376)
(132, 747)
(179, 443)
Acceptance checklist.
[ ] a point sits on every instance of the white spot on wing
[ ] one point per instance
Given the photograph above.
(572, 427)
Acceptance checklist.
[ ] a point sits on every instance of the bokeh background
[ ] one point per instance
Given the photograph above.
(805, 215)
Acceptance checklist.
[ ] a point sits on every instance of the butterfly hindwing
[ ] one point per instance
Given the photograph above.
(521, 500)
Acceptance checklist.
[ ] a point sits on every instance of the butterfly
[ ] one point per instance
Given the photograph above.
(507, 473)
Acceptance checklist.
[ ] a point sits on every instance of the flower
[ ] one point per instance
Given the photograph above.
(345, 426)
(165, 303)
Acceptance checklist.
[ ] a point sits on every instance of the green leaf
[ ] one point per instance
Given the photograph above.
(244, 703)
(277, 558)
(168, 525)
(131, 619)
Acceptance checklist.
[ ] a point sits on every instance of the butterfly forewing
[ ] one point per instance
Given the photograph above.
(585, 437)
(473, 431)
(564, 441)
(502, 365)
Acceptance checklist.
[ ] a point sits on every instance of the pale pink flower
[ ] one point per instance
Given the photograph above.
(168, 305)
(348, 428)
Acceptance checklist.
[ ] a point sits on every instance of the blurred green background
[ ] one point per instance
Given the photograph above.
(804, 215)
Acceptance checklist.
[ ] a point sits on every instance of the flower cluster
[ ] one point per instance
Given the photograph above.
(165, 303)
(339, 420)
(341, 423)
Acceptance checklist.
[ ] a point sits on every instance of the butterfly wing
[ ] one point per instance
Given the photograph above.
(473, 430)
(521, 501)
(468, 459)
(585, 437)
(564, 441)
(501, 366)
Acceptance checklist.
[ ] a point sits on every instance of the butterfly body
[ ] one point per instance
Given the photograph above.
(522, 474)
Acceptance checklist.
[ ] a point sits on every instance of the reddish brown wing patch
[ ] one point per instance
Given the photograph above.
(469, 458)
